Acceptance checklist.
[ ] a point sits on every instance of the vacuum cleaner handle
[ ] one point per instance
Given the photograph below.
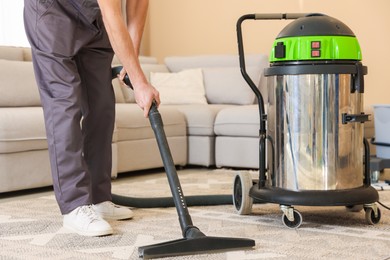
(281, 16)
(258, 16)
(252, 85)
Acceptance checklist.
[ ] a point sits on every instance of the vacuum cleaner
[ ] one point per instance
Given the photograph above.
(311, 146)
(193, 241)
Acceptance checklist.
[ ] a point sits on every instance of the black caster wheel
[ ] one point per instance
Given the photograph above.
(370, 216)
(295, 223)
(241, 199)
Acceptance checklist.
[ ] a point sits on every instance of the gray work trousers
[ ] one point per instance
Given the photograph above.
(72, 59)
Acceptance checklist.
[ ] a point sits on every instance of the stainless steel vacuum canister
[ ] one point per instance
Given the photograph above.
(315, 107)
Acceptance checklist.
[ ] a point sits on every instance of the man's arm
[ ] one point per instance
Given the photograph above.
(127, 50)
(136, 11)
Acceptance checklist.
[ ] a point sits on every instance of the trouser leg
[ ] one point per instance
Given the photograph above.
(72, 88)
(60, 91)
(98, 118)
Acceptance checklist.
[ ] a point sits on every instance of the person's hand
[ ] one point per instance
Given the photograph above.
(144, 95)
(122, 74)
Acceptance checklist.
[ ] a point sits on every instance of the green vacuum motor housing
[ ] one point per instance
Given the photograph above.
(315, 37)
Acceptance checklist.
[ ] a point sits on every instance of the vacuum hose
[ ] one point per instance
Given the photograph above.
(163, 202)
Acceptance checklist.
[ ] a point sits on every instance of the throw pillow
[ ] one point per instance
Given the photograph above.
(184, 87)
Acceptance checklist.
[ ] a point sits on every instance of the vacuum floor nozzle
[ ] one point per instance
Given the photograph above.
(195, 242)
(200, 245)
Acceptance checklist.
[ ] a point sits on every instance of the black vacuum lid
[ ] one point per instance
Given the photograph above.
(315, 24)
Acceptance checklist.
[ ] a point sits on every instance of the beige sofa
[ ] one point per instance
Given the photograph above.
(223, 132)
(24, 162)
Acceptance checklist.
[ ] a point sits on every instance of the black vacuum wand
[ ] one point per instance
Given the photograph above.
(193, 241)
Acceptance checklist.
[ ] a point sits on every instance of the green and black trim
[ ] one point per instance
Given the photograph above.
(315, 37)
(317, 44)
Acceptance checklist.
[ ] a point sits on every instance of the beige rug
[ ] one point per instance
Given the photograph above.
(32, 228)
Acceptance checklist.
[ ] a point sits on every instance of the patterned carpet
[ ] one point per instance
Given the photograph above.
(32, 228)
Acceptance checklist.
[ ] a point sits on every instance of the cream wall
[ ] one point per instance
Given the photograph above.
(191, 27)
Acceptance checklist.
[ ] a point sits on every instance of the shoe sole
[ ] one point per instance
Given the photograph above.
(89, 233)
(109, 217)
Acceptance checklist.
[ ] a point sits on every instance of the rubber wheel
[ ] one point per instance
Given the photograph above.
(241, 199)
(354, 208)
(293, 224)
(370, 216)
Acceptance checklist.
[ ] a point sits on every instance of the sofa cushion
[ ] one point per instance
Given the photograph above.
(18, 86)
(222, 77)
(22, 129)
(11, 53)
(117, 86)
(149, 68)
(184, 87)
(200, 118)
(243, 121)
(237, 152)
(132, 125)
(225, 85)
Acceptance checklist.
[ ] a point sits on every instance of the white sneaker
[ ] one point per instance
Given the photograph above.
(109, 210)
(84, 221)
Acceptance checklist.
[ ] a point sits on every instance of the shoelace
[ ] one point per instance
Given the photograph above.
(89, 213)
(110, 205)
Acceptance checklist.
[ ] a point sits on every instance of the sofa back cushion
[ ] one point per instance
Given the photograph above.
(147, 69)
(11, 53)
(184, 87)
(225, 85)
(18, 86)
(178, 63)
(223, 81)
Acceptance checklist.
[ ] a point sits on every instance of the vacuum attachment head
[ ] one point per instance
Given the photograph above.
(196, 243)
